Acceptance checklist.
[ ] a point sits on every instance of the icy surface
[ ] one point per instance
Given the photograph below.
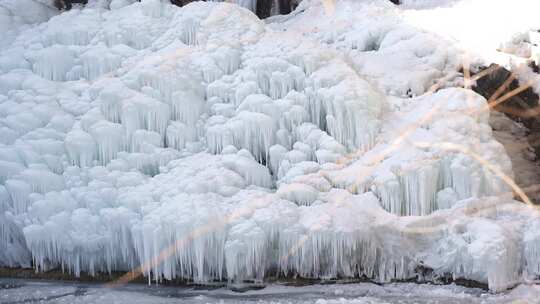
(16, 291)
(212, 146)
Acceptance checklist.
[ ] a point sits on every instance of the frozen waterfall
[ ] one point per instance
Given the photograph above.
(213, 146)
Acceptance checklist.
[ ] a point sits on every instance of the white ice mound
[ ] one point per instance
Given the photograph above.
(16, 15)
(205, 145)
(399, 58)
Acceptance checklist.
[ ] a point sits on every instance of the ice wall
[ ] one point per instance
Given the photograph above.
(212, 146)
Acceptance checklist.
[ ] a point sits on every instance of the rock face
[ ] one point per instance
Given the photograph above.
(67, 4)
(522, 107)
(515, 121)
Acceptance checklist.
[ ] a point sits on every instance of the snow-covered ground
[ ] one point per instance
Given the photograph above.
(17, 291)
(203, 143)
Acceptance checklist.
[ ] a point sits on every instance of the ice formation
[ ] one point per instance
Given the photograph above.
(205, 144)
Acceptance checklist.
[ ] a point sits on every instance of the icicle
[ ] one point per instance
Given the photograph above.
(293, 117)
(301, 194)
(18, 191)
(227, 59)
(280, 84)
(390, 194)
(13, 251)
(145, 113)
(9, 169)
(446, 198)
(177, 135)
(276, 154)
(244, 90)
(54, 63)
(190, 28)
(109, 138)
(253, 131)
(253, 172)
(42, 180)
(419, 188)
(81, 148)
(187, 107)
(145, 141)
(98, 61)
(218, 135)
(248, 130)
(531, 250)
(220, 89)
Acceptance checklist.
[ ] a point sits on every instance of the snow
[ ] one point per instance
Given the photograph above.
(212, 146)
(498, 38)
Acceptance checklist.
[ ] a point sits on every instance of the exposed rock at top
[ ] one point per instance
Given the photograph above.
(522, 107)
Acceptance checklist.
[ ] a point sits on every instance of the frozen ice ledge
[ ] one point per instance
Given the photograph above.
(203, 144)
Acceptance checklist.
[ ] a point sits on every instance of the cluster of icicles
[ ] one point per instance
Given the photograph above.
(164, 147)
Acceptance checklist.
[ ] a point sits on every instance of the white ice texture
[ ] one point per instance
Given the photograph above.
(208, 145)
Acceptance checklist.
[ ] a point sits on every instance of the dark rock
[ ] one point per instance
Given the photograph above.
(246, 287)
(67, 4)
(181, 2)
(449, 279)
(522, 107)
(264, 7)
